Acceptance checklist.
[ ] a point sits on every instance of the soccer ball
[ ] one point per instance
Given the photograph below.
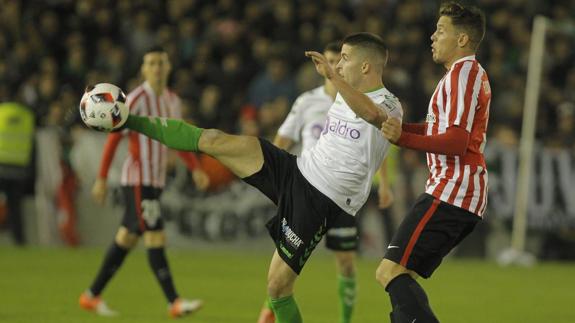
(103, 107)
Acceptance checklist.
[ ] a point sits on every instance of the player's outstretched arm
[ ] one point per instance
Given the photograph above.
(453, 142)
(174, 133)
(363, 106)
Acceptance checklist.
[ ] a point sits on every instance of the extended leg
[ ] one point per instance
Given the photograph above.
(241, 154)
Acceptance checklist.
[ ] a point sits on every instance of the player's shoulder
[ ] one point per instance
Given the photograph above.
(463, 66)
(173, 96)
(390, 102)
(312, 97)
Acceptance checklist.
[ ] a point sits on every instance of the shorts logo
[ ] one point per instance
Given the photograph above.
(316, 239)
(291, 237)
(430, 118)
(341, 129)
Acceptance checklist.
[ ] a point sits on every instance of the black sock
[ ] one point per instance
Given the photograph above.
(113, 260)
(159, 265)
(409, 301)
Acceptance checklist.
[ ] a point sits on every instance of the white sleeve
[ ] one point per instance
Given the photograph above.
(292, 125)
(392, 107)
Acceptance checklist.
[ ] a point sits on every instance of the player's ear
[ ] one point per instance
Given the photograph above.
(463, 40)
(365, 66)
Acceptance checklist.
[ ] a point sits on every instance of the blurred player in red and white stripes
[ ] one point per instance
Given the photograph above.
(143, 178)
(453, 136)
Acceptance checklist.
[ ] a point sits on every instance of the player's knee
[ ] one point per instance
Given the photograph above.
(126, 239)
(154, 239)
(384, 273)
(278, 287)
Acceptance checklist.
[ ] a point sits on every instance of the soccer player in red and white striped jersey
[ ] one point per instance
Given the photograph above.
(453, 137)
(143, 178)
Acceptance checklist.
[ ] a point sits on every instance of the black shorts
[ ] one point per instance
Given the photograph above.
(342, 234)
(304, 214)
(142, 211)
(428, 233)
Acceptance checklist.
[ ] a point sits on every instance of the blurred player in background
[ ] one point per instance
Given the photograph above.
(300, 131)
(454, 138)
(143, 178)
(330, 178)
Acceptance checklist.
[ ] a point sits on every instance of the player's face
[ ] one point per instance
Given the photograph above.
(444, 41)
(156, 67)
(349, 66)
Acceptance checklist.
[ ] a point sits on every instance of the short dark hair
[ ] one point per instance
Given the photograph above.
(334, 46)
(155, 49)
(368, 41)
(469, 18)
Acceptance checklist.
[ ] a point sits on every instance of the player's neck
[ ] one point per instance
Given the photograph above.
(370, 85)
(158, 88)
(457, 57)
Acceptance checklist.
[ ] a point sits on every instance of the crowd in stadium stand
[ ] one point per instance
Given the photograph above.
(239, 64)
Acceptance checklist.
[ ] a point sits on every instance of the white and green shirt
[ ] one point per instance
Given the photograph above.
(348, 153)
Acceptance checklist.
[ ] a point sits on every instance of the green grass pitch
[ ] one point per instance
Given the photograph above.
(42, 285)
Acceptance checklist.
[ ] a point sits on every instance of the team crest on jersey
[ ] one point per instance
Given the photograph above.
(430, 118)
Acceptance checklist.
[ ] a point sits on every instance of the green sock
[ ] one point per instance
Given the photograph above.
(176, 134)
(347, 292)
(285, 310)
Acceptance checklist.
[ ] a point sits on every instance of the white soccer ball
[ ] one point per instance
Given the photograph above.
(103, 107)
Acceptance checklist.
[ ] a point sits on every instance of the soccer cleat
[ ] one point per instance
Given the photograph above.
(95, 304)
(266, 316)
(182, 307)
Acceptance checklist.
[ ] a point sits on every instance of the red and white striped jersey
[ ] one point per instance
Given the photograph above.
(146, 162)
(462, 99)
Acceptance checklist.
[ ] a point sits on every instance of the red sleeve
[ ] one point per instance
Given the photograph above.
(190, 159)
(109, 151)
(453, 142)
(416, 128)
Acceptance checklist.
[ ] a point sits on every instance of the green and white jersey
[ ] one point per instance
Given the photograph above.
(350, 150)
(304, 124)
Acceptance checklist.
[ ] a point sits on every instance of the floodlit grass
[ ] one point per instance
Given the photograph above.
(43, 285)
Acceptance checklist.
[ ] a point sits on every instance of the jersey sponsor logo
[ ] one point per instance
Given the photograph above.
(291, 237)
(341, 129)
(316, 130)
(430, 118)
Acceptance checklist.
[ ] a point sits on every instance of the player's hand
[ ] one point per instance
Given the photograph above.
(385, 196)
(321, 64)
(201, 179)
(391, 129)
(99, 191)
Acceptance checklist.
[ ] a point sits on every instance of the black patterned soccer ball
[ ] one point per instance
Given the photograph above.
(103, 107)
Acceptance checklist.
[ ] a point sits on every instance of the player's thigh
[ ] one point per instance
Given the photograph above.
(342, 233)
(428, 233)
(279, 175)
(142, 209)
(241, 154)
(301, 221)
